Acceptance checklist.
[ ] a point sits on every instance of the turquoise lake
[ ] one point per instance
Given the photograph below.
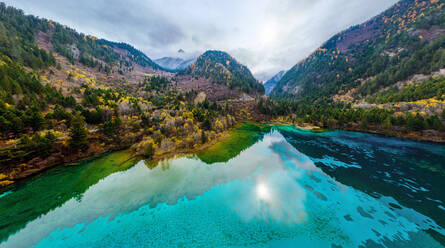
(285, 188)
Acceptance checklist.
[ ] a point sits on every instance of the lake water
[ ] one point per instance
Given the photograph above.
(278, 187)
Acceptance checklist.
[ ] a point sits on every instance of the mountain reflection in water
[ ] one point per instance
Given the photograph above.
(283, 190)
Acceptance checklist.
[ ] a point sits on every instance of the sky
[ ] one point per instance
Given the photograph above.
(266, 35)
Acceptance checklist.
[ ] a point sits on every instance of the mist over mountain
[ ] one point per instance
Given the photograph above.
(174, 64)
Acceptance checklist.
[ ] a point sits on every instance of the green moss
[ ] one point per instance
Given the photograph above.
(239, 139)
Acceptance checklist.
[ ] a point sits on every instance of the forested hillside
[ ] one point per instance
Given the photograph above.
(385, 74)
(20, 34)
(222, 69)
(66, 96)
(403, 41)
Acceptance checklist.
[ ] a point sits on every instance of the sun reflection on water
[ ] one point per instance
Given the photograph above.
(269, 193)
(263, 192)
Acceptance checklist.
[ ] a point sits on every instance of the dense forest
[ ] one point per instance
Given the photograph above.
(17, 38)
(343, 116)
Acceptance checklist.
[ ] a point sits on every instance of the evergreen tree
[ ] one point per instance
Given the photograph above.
(207, 123)
(387, 125)
(112, 126)
(419, 122)
(410, 125)
(203, 137)
(35, 118)
(78, 133)
(433, 122)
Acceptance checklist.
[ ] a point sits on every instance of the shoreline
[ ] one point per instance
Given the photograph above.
(303, 127)
(182, 152)
(76, 159)
(420, 136)
(9, 180)
(73, 161)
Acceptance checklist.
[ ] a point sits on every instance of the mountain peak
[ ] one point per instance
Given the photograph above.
(221, 68)
(223, 58)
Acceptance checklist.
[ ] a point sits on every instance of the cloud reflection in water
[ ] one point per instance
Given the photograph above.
(270, 192)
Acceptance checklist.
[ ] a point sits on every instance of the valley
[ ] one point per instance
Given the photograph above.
(350, 137)
(125, 99)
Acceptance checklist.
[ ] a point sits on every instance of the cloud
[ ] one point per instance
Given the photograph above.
(266, 35)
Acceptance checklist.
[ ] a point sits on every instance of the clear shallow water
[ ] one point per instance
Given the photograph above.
(332, 189)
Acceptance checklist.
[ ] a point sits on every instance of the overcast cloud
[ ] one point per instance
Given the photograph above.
(266, 35)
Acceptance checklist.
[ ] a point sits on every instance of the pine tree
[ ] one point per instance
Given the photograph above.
(410, 124)
(203, 137)
(35, 118)
(387, 125)
(364, 123)
(78, 133)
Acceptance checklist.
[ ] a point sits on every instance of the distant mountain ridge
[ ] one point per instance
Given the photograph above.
(270, 84)
(174, 64)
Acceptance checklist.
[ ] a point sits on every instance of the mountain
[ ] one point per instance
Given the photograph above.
(389, 49)
(270, 84)
(219, 69)
(174, 64)
(384, 76)
(40, 44)
(67, 96)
